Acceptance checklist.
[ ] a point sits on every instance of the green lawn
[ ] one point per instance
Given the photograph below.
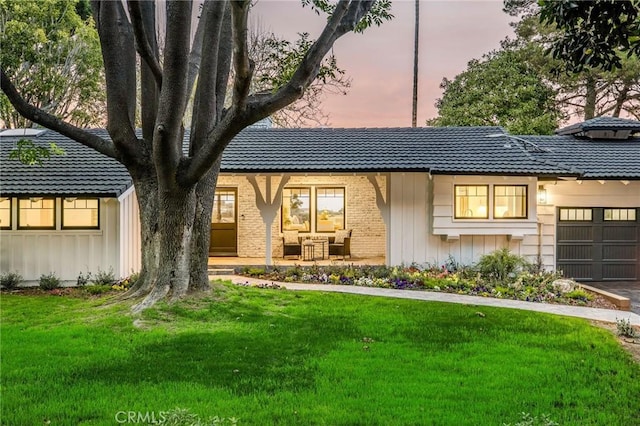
(281, 357)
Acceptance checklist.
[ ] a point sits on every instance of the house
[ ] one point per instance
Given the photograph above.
(570, 201)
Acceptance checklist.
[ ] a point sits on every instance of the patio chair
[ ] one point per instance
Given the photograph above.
(291, 244)
(340, 244)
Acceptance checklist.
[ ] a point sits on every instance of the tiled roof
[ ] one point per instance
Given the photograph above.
(440, 150)
(80, 170)
(594, 158)
(601, 123)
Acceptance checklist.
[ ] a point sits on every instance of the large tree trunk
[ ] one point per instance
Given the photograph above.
(147, 194)
(175, 220)
(205, 193)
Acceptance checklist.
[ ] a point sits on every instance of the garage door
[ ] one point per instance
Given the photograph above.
(598, 244)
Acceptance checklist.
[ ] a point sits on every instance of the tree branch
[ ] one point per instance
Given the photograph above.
(119, 56)
(167, 148)
(241, 63)
(47, 120)
(143, 44)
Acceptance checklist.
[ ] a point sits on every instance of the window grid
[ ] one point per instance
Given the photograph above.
(330, 209)
(576, 215)
(5, 213)
(471, 201)
(510, 201)
(80, 213)
(623, 215)
(295, 212)
(36, 213)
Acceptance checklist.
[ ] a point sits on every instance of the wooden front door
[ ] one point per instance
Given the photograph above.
(224, 223)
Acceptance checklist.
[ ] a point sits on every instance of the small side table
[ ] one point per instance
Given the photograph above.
(308, 250)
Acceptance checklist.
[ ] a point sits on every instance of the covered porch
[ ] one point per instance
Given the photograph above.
(238, 262)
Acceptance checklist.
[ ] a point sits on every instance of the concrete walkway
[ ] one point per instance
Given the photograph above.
(606, 315)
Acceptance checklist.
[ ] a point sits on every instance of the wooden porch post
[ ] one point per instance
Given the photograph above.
(268, 207)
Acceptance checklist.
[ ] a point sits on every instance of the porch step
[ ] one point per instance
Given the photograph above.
(221, 271)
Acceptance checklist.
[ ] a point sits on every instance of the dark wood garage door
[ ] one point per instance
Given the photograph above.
(599, 244)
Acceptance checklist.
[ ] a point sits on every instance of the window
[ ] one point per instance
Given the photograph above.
(5, 213)
(510, 201)
(576, 215)
(80, 213)
(224, 206)
(329, 209)
(620, 215)
(296, 209)
(37, 213)
(471, 201)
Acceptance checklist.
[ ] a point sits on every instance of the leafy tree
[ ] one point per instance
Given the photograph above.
(175, 191)
(593, 33)
(50, 49)
(503, 89)
(588, 92)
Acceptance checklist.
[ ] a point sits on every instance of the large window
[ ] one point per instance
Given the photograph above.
(5, 213)
(296, 209)
(37, 213)
(80, 213)
(471, 201)
(330, 208)
(510, 201)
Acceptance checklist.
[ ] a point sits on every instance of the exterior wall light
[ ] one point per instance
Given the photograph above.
(542, 195)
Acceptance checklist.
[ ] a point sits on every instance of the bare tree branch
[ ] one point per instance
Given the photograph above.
(49, 121)
(241, 63)
(167, 149)
(148, 81)
(119, 56)
(205, 113)
(141, 30)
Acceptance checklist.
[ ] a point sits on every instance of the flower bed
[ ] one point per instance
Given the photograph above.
(519, 284)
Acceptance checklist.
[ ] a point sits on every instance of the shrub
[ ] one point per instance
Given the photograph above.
(49, 281)
(10, 280)
(104, 277)
(500, 265)
(83, 279)
(625, 329)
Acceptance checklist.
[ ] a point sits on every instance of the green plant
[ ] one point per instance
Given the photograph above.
(98, 289)
(500, 265)
(83, 279)
(104, 277)
(49, 281)
(625, 329)
(10, 280)
(579, 294)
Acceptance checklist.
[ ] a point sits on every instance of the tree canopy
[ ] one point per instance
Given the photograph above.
(593, 33)
(50, 49)
(502, 89)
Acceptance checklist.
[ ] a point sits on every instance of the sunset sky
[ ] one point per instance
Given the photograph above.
(380, 61)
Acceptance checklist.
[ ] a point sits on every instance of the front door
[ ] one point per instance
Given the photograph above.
(224, 223)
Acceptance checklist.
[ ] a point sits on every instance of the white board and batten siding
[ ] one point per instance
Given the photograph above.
(423, 230)
(67, 253)
(129, 233)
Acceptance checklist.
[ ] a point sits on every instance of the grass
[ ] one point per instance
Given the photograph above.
(280, 357)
